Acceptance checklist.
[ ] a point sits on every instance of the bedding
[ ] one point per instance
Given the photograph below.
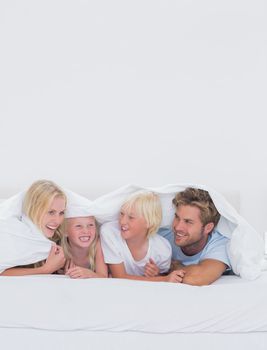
(132, 313)
(56, 312)
(116, 305)
(245, 249)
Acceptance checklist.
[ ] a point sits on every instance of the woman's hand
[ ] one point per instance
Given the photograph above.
(55, 260)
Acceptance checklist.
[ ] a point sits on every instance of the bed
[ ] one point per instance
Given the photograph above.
(41, 312)
(51, 311)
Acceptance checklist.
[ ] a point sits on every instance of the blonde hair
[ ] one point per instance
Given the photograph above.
(147, 205)
(38, 199)
(91, 249)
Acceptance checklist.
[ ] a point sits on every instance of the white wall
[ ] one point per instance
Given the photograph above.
(97, 94)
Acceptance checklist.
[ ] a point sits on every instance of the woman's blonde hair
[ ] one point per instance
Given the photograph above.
(38, 199)
(91, 250)
(147, 205)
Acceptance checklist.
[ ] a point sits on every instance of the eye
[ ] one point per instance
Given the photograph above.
(51, 212)
(62, 213)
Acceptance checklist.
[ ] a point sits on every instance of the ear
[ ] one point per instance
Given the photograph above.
(208, 227)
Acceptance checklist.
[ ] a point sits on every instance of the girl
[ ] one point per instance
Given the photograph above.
(131, 246)
(82, 248)
(43, 213)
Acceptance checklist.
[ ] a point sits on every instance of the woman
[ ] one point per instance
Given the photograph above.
(28, 239)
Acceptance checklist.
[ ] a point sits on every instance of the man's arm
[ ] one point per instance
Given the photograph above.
(204, 273)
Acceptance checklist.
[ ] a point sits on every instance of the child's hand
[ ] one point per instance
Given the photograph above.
(151, 269)
(69, 264)
(55, 259)
(80, 272)
(175, 276)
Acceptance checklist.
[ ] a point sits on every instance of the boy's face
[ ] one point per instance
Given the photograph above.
(81, 231)
(132, 225)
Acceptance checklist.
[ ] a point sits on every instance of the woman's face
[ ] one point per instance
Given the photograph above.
(81, 231)
(54, 217)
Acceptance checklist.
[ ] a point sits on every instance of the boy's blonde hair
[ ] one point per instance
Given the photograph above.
(147, 205)
(91, 250)
(38, 199)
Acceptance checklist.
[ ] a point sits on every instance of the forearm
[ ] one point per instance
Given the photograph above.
(204, 273)
(23, 271)
(140, 278)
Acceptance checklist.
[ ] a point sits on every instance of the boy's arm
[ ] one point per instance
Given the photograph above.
(118, 271)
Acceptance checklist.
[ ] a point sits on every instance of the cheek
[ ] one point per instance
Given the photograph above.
(44, 220)
(93, 233)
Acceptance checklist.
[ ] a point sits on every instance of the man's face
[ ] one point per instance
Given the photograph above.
(189, 231)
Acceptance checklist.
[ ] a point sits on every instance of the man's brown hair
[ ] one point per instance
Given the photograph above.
(200, 199)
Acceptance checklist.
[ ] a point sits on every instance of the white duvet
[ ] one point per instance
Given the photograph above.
(246, 247)
(58, 303)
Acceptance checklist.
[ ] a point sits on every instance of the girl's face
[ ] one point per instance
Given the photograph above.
(53, 218)
(132, 225)
(81, 231)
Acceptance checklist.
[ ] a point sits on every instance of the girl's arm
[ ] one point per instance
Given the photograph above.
(54, 262)
(118, 271)
(82, 272)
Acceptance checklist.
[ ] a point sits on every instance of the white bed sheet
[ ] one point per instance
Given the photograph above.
(58, 303)
(55, 312)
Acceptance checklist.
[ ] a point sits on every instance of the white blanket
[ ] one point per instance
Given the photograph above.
(58, 303)
(246, 247)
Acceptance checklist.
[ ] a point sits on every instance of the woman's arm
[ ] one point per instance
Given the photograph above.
(54, 262)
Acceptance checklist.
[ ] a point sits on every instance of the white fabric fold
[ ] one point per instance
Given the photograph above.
(246, 246)
(21, 243)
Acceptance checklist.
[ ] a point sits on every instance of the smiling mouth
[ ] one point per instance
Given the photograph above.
(85, 238)
(179, 235)
(51, 228)
(124, 229)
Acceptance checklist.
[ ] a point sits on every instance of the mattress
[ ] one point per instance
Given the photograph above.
(47, 310)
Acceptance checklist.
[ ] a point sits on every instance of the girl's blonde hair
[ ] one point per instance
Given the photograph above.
(91, 250)
(38, 199)
(147, 205)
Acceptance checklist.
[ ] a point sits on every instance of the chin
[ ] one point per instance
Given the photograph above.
(48, 234)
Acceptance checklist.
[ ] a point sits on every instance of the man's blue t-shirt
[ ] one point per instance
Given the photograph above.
(216, 248)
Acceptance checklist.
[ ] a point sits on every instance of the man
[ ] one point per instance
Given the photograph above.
(196, 245)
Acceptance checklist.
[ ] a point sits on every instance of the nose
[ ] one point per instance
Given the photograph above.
(58, 219)
(177, 225)
(123, 220)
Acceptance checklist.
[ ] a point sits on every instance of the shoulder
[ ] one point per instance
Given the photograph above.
(110, 233)
(217, 239)
(160, 243)
(165, 232)
(109, 228)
